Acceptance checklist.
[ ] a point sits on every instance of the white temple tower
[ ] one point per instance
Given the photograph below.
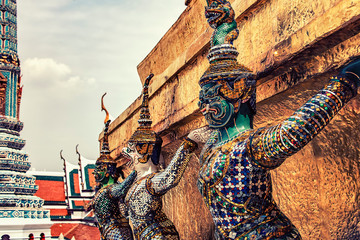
(21, 213)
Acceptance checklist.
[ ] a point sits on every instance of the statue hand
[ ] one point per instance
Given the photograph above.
(119, 190)
(352, 71)
(129, 179)
(89, 206)
(200, 135)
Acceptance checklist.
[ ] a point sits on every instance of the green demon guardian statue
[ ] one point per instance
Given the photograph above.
(144, 198)
(234, 179)
(112, 222)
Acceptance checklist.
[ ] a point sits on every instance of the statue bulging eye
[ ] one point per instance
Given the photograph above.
(130, 149)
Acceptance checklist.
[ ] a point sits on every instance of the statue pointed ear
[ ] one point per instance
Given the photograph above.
(242, 89)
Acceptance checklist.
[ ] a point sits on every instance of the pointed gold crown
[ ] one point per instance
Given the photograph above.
(144, 137)
(105, 151)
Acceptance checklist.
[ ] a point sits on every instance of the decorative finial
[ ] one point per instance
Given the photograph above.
(77, 151)
(66, 190)
(105, 144)
(145, 120)
(221, 16)
(80, 167)
(61, 156)
(105, 151)
(104, 109)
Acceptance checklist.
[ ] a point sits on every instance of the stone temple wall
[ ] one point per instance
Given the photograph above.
(294, 46)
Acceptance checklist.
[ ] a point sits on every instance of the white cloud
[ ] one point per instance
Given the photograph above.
(44, 71)
(55, 104)
(50, 75)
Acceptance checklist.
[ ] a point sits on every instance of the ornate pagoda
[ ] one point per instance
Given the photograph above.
(21, 212)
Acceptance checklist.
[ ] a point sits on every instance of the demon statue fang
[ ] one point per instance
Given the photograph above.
(234, 178)
(144, 198)
(112, 223)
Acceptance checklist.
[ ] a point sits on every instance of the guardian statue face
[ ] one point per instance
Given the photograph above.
(132, 155)
(100, 174)
(217, 110)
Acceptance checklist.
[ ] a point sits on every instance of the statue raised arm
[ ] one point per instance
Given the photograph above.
(234, 178)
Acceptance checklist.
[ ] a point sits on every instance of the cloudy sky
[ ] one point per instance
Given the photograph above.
(71, 52)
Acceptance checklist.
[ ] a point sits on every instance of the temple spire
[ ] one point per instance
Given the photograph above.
(105, 143)
(105, 150)
(145, 118)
